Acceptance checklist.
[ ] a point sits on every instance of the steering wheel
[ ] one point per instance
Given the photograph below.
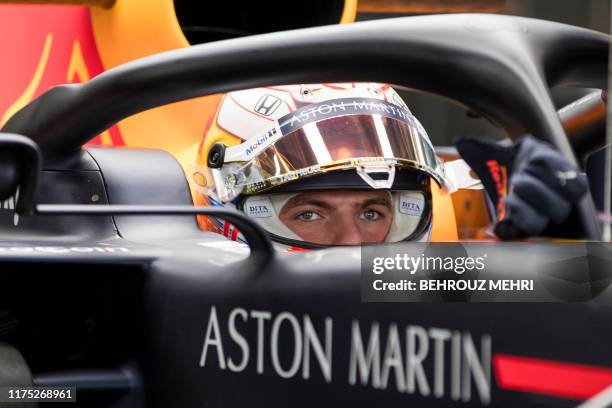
(500, 66)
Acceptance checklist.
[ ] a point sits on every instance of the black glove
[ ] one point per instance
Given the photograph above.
(534, 189)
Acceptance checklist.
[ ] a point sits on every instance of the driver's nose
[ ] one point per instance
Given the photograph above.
(346, 231)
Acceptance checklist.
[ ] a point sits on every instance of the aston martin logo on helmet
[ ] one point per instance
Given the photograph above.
(267, 105)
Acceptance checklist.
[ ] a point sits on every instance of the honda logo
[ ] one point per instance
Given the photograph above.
(267, 105)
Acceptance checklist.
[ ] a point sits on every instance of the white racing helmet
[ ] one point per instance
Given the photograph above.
(321, 137)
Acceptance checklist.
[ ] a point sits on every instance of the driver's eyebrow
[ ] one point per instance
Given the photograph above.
(298, 201)
(376, 201)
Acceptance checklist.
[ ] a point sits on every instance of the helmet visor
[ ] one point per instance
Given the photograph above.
(368, 135)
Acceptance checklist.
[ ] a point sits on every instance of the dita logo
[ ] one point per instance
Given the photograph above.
(10, 204)
(267, 105)
(259, 207)
(411, 205)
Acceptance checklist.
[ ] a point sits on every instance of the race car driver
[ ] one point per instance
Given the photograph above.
(347, 164)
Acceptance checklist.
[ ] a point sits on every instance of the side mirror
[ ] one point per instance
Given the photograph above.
(20, 165)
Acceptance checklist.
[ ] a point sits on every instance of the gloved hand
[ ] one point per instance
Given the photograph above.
(531, 185)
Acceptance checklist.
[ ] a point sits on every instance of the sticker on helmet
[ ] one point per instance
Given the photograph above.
(411, 205)
(259, 207)
(344, 106)
(267, 105)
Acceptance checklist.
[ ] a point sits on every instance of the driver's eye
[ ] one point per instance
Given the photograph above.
(308, 216)
(370, 215)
